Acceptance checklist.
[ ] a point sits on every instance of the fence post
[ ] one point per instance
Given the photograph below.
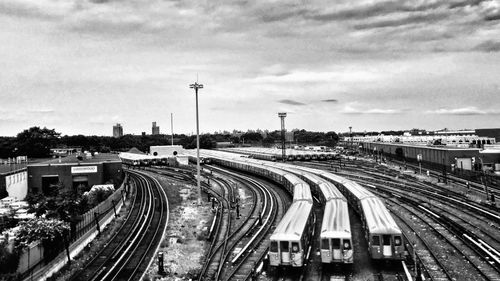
(123, 196)
(96, 219)
(114, 207)
(66, 245)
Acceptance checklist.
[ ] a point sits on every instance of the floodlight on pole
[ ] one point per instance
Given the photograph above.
(197, 86)
(350, 135)
(282, 115)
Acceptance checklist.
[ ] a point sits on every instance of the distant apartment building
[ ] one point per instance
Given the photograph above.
(117, 130)
(155, 129)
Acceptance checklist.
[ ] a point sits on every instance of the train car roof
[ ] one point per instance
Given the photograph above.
(293, 223)
(357, 190)
(330, 191)
(336, 220)
(134, 156)
(302, 192)
(378, 219)
(293, 179)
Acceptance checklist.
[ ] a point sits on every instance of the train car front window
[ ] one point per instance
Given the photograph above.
(347, 244)
(397, 240)
(387, 240)
(336, 243)
(376, 240)
(284, 246)
(324, 244)
(274, 246)
(295, 247)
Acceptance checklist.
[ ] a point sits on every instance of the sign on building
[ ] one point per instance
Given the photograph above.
(83, 169)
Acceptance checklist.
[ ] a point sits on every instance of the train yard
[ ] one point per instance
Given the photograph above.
(129, 252)
(319, 220)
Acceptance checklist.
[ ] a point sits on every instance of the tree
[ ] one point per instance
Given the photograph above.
(252, 137)
(50, 232)
(36, 142)
(206, 142)
(9, 260)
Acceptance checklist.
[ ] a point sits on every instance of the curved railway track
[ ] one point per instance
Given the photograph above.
(245, 242)
(216, 252)
(449, 227)
(129, 252)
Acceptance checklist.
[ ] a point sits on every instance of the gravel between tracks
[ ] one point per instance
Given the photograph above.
(184, 244)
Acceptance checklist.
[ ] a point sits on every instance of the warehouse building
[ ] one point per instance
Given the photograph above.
(75, 172)
(13, 181)
(439, 157)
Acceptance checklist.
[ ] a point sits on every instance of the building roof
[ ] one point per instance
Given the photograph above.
(72, 159)
(11, 168)
(401, 144)
(134, 150)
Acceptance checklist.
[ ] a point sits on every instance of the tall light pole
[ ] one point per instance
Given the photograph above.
(350, 135)
(197, 86)
(172, 126)
(282, 115)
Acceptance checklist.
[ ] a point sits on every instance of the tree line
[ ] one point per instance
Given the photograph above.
(36, 142)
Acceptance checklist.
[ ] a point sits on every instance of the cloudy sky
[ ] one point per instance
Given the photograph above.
(80, 66)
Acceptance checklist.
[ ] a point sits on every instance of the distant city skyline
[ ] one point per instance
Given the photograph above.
(82, 66)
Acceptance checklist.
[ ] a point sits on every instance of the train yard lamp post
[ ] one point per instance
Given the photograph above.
(483, 179)
(350, 136)
(419, 159)
(197, 86)
(282, 115)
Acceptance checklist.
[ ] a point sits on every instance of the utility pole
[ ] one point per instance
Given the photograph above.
(172, 127)
(350, 136)
(282, 115)
(197, 86)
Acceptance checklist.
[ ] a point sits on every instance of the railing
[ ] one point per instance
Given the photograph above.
(92, 221)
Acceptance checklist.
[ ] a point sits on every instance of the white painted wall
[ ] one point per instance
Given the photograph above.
(17, 185)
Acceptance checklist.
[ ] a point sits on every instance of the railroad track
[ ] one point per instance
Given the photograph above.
(441, 226)
(245, 243)
(468, 223)
(130, 251)
(221, 231)
(426, 189)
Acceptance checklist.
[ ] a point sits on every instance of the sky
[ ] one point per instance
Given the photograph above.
(80, 66)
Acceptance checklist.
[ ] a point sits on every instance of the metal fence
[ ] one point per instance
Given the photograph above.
(91, 218)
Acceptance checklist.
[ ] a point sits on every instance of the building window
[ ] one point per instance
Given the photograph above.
(49, 185)
(81, 183)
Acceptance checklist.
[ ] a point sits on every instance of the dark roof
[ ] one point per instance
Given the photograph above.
(136, 151)
(72, 159)
(7, 169)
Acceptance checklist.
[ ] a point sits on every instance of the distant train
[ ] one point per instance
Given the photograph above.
(203, 160)
(385, 238)
(335, 237)
(290, 241)
(142, 160)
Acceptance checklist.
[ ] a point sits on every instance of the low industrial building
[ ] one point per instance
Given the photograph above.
(75, 172)
(13, 181)
(439, 157)
(166, 150)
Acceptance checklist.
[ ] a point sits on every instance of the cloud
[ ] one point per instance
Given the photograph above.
(291, 102)
(466, 3)
(105, 119)
(338, 76)
(276, 70)
(42, 9)
(375, 9)
(470, 110)
(407, 20)
(488, 46)
(330, 100)
(42, 110)
(353, 109)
